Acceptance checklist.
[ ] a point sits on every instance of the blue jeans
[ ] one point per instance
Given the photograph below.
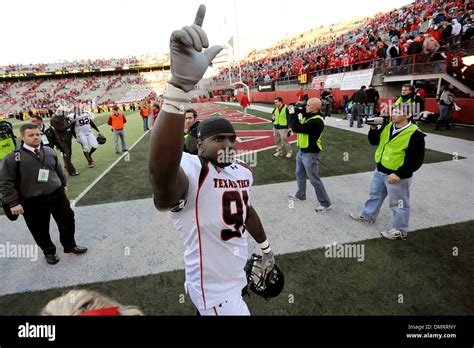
(145, 123)
(356, 114)
(444, 115)
(119, 134)
(369, 109)
(398, 200)
(307, 167)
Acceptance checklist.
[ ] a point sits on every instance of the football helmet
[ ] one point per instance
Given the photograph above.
(266, 285)
(101, 139)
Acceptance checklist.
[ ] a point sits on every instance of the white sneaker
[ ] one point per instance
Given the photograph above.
(393, 234)
(293, 197)
(359, 218)
(278, 154)
(322, 209)
(289, 154)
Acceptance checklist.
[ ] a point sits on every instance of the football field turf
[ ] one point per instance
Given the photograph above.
(344, 153)
(422, 276)
(418, 277)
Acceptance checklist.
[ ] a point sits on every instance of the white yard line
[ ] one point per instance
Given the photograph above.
(88, 188)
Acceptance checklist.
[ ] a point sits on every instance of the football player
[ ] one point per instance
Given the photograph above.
(83, 125)
(209, 194)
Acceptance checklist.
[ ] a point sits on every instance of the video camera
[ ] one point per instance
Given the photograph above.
(381, 120)
(299, 107)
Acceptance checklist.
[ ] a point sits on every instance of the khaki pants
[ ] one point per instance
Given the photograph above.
(281, 140)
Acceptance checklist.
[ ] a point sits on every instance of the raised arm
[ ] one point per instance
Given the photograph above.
(188, 65)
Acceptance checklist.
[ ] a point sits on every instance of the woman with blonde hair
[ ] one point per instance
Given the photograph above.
(87, 303)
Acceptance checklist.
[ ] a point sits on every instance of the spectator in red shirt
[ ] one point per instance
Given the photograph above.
(244, 103)
(299, 95)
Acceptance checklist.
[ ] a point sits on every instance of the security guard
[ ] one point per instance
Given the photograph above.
(400, 152)
(280, 128)
(33, 184)
(7, 138)
(309, 125)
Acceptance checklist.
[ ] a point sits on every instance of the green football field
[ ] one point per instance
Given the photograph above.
(422, 276)
(417, 277)
(269, 170)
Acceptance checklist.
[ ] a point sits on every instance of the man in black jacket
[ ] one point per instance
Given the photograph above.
(309, 125)
(400, 152)
(372, 99)
(62, 126)
(48, 135)
(191, 135)
(359, 101)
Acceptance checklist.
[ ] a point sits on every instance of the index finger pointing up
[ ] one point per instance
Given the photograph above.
(200, 15)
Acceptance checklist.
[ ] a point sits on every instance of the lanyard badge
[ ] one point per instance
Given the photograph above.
(43, 175)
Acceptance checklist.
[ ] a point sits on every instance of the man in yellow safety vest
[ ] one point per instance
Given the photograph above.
(280, 119)
(309, 125)
(400, 152)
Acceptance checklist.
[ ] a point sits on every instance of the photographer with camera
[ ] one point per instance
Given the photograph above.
(400, 152)
(327, 102)
(409, 100)
(7, 139)
(308, 123)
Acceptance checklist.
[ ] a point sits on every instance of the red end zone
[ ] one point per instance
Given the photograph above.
(247, 140)
(234, 116)
(257, 140)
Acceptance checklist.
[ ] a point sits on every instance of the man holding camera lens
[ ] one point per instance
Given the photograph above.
(308, 123)
(400, 152)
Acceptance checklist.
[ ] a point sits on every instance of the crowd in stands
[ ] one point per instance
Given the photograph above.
(421, 28)
(41, 95)
(84, 64)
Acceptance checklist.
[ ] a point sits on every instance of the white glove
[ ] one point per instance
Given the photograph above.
(188, 62)
(268, 262)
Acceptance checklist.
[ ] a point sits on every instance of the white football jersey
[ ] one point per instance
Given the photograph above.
(83, 122)
(212, 226)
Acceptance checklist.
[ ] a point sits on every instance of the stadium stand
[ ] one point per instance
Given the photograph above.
(355, 45)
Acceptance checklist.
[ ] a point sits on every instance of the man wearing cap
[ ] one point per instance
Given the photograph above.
(209, 194)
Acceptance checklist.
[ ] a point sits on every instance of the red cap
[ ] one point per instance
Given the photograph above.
(109, 311)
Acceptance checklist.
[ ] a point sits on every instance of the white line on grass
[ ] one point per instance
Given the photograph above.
(88, 188)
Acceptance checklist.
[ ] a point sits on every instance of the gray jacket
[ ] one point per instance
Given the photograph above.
(14, 190)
